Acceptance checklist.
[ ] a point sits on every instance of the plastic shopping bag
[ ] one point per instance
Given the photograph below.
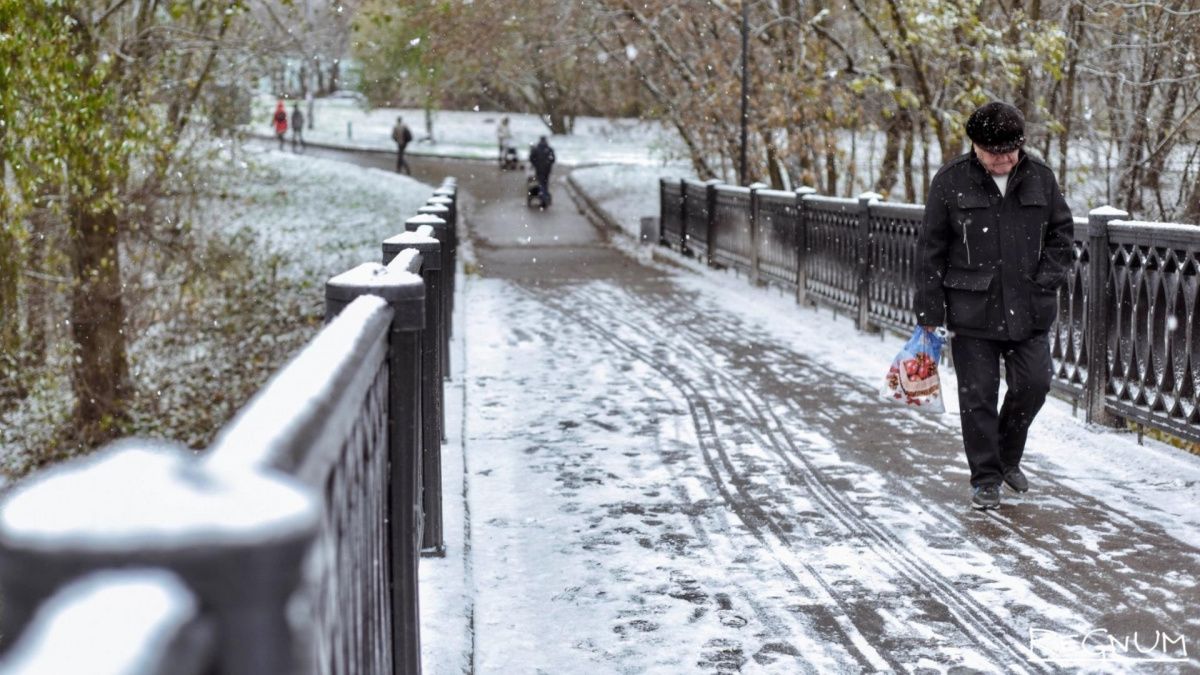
(913, 377)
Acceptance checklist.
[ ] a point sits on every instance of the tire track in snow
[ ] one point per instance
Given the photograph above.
(1003, 645)
(1045, 542)
(745, 506)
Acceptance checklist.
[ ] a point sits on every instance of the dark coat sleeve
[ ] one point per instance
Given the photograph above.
(933, 242)
(1054, 264)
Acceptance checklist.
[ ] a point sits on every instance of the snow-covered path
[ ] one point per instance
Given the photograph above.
(659, 483)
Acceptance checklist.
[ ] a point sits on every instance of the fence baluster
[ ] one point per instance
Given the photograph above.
(863, 249)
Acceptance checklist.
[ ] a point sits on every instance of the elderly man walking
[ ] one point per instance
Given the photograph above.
(993, 252)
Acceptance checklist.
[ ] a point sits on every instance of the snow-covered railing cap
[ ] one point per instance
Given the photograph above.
(440, 199)
(870, 197)
(392, 283)
(399, 283)
(758, 185)
(1100, 217)
(136, 496)
(806, 190)
(118, 623)
(438, 224)
(421, 240)
(438, 210)
(445, 191)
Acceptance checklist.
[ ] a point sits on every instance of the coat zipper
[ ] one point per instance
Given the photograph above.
(966, 245)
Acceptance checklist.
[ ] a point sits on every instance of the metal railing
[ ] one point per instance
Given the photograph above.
(858, 257)
(291, 545)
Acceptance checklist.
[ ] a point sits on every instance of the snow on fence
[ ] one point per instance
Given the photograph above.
(857, 256)
(291, 544)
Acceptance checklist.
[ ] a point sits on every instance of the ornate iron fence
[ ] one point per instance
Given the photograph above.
(857, 256)
(296, 535)
(698, 207)
(731, 241)
(671, 214)
(777, 236)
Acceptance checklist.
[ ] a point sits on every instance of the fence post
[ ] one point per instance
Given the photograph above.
(1097, 313)
(433, 418)
(662, 206)
(441, 232)
(864, 258)
(683, 214)
(404, 290)
(754, 233)
(447, 196)
(152, 626)
(710, 200)
(802, 244)
(161, 508)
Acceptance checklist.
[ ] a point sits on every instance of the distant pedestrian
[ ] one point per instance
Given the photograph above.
(994, 249)
(541, 156)
(504, 137)
(297, 126)
(281, 122)
(402, 136)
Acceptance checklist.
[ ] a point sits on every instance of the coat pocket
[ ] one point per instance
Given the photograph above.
(966, 297)
(1045, 308)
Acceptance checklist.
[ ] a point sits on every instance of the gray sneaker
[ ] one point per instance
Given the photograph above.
(1015, 479)
(985, 497)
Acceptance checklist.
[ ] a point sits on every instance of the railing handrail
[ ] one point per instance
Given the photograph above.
(334, 371)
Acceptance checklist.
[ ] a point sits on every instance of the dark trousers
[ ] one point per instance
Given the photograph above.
(401, 164)
(996, 441)
(543, 180)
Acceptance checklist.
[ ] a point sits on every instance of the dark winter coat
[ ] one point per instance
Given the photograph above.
(989, 266)
(401, 135)
(541, 156)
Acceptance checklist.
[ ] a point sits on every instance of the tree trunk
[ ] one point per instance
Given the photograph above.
(10, 266)
(1191, 206)
(100, 370)
(37, 306)
(831, 171)
(910, 187)
(891, 157)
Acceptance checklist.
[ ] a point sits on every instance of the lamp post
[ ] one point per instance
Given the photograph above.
(745, 88)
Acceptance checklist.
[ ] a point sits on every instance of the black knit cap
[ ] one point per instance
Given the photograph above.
(997, 127)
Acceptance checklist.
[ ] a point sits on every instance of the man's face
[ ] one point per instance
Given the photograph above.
(997, 164)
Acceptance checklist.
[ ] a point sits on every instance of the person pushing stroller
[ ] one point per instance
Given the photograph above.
(541, 156)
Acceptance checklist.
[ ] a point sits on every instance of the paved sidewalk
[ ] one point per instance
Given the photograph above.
(658, 485)
(664, 475)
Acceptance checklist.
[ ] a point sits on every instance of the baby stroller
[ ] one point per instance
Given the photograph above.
(510, 162)
(534, 196)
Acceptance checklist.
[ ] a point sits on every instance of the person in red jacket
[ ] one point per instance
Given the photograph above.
(281, 122)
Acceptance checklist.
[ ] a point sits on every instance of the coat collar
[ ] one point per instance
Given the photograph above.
(983, 178)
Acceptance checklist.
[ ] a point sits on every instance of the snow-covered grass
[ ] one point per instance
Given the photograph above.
(239, 291)
(626, 193)
(472, 135)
